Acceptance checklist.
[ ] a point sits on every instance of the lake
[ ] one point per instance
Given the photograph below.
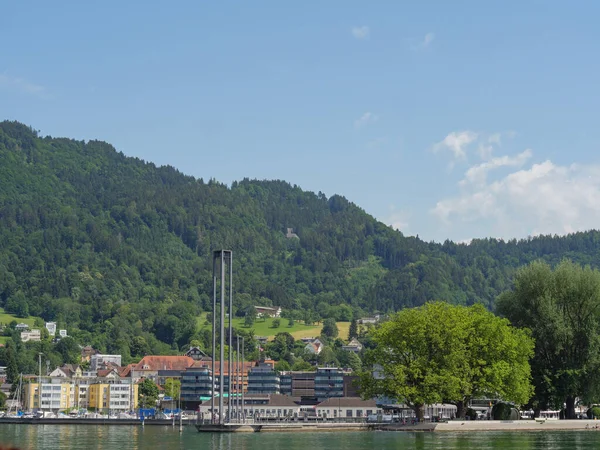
(96, 437)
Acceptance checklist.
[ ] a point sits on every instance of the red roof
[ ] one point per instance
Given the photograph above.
(126, 371)
(164, 363)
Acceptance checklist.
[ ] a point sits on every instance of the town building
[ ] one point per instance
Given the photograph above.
(62, 333)
(346, 408)
(265, 311)
(298, 384)
(263, 379)
(257, 406)
(51, 327)
(55, 396)
(196, 386)
(353, 346)
(351, 386)
(315, 347)
(196, 354)
(115, 397)
(22, 327)
(149, 366)
(87, 352)
(98, 360)
(32, 335)
(329, 382)
(290, 234)
(66, 371)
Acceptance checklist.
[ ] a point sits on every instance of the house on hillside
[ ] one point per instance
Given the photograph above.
(353, 346)
(22, 327)
(290, 234)
(51, 327)
(196, 354)
(87, 352)
(33, 335)
(67, 371)
(314, 347)
(98, 360)
(265, 311)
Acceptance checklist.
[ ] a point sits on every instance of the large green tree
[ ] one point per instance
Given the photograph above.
(562, 309)
(147, 393)
(440, 352)
(172, 388)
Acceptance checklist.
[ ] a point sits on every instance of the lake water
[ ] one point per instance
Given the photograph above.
(91, 437)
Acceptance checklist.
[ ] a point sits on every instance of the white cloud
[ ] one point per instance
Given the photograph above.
(544, 198)
(21, 85)
(361, 32)
(365, 119)
(477, 174)
(421, 44)
(456, 142)
(398, 219)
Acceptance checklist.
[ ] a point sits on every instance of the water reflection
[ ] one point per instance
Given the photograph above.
(87, 437)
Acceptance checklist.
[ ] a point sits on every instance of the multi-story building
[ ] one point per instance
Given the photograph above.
(97, 360)
(33, 335)
(329, 382)
(298, 384)
(113, 397)
(51, 327)
(55, 396)
(263, 379)
(196, 386)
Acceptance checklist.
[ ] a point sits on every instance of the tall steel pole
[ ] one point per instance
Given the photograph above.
(40, 380)
(230, 325)
(222, 349)
(214, 339)
(237, 380)
(243, 403)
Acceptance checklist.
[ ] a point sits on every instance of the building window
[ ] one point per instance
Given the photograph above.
(348, 413)
(359, 413)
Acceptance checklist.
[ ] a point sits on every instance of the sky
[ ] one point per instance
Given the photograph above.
(447, 120)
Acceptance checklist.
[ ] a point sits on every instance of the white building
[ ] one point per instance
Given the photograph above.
(62, 333)
(265, 311)
(51, 327)
(347, 408)
(33, 335)
(96, 361)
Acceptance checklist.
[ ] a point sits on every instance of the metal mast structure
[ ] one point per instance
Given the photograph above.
(222, 285)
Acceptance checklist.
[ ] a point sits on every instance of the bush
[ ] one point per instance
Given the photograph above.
(594, 412)
(502, 411)
(471, 414)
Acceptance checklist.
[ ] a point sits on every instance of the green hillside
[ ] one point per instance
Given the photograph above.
(118, 250)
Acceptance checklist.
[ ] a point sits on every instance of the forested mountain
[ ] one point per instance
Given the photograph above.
(114, 247)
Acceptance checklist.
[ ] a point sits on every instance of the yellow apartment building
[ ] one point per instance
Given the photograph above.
(55, 396)
(114, 397)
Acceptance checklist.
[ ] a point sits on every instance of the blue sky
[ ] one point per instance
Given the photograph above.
(444, 119)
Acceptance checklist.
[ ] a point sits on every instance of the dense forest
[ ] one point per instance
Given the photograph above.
(115, 248)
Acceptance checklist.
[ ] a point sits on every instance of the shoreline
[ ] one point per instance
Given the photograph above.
(498, 425)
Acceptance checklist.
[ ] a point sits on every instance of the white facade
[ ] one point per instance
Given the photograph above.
(51, 327)
(62, 333)
(96, 361)
(33, 335)
(120, 397)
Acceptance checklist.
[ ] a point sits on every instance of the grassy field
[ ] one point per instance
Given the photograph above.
(8, 318)
(265, 327)
(3, 339)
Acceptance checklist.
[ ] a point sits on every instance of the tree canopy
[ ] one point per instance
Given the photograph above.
(440, 352)
(562, 309)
